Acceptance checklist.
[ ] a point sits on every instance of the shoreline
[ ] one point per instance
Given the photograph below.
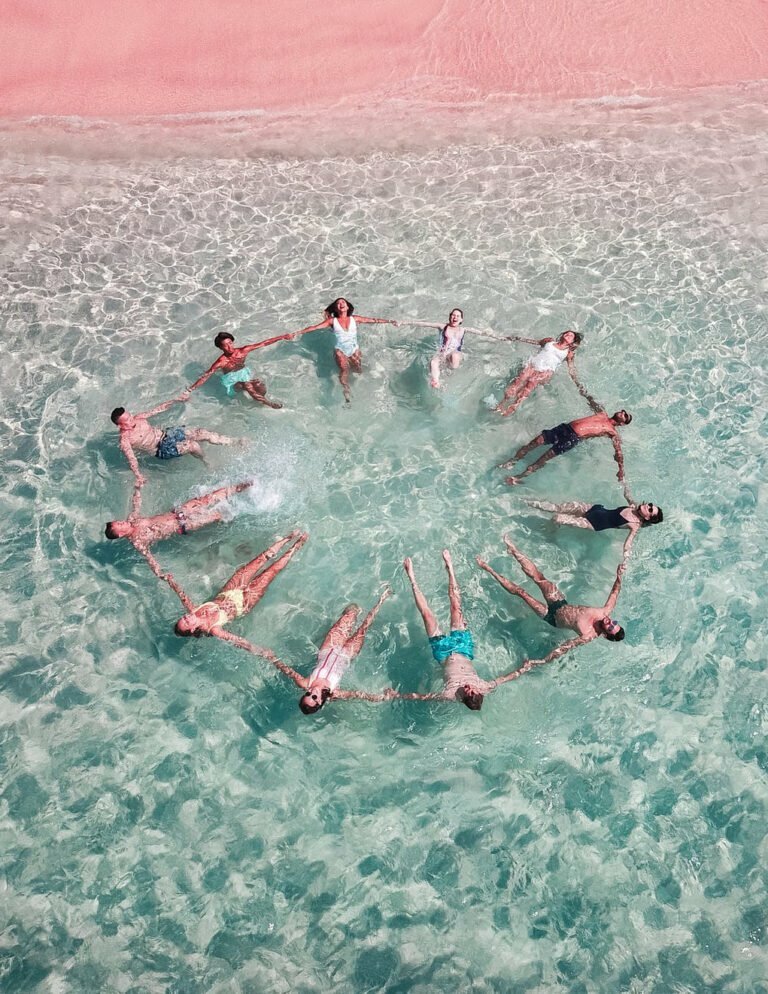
(161, 59)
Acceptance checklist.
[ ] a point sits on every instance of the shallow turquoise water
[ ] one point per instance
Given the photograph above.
(169, 820)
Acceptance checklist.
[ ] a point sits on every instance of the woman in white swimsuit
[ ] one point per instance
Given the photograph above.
(539, 368)
(338, 316)
(340, 646)
(451, 341)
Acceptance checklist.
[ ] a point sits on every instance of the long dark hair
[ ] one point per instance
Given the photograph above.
(332, 311)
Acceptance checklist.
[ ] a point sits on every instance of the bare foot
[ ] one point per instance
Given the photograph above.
(447, 558)
(512, 480)
(274, 404)
(435, 384)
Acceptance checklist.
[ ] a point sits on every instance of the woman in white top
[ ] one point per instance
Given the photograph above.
(338, 316)
(450, 344)
(539, 368)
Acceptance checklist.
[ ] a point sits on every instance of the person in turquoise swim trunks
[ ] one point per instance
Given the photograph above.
(235, 375)
(338, 316)
(456, 650)
(587, 622)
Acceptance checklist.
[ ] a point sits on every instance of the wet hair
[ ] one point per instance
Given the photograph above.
(117, 414)
(308, 707)
(222, 337)
(473, 699)
(617, 636)
(626, 414)
(654, 519)
(576, 336)
(332, 312)
(109, 531)
(456, 309)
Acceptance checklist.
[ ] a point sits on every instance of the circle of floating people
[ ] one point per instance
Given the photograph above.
(454, 649)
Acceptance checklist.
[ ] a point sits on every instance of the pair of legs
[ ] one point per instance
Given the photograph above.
(213, 497)
(550, 591)
(522, 453)
(451, 359)
(431, 623)
(194, 436)
(258, 392)
(522, 387)
(569, 513)
(344, 637)
(254, 583)
(345, 363)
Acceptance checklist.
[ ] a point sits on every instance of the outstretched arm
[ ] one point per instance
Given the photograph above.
(255, 650)
(557, 653)
(628, 542)
(597, 408)
(205, 376)
(386, 695)
(127, 449)
(168, 578)
(288, 336)
(362, 320)
(182, 398)
(136, 500)
(618, 455)
(610, 604)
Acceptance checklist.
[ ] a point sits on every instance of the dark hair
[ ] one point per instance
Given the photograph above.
(179, 632)
(456, 309)
(654, 519)
(332, 312)
(308, 708)
(576, 336)
(617, 637)
(473, 699)
(117, 414)
(626, 414)
(109, 531)
(222, 337)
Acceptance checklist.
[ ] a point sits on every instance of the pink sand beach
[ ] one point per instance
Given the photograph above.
(114, 59)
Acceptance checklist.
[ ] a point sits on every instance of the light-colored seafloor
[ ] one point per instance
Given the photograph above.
(169, 821)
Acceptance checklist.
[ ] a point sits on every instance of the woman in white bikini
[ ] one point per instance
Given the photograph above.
(539, 368)
(451, 341)
(346, 347)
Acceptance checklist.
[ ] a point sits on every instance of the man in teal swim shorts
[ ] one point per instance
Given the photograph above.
(235, 375)
(455, 650)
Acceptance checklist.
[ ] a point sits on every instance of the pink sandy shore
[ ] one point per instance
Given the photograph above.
(113, 58)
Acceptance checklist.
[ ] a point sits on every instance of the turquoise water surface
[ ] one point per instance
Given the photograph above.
(170, 821)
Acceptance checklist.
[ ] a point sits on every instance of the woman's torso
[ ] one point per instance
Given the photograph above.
(346, 338)
(548, 358)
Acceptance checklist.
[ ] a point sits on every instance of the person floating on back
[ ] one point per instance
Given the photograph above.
(587, 622)
(567, 435)
(597, 518)
(164, 443)
(338, 316)
(539, 369)
(235, 375)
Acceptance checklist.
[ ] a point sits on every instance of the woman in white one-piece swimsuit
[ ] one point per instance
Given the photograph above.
(539, 368)
(338, 316)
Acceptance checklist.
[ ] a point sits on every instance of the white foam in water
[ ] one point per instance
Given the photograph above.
(170, 820)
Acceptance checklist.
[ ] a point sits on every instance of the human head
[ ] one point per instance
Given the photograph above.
(621, 417)
(116, 415)
(456, 310)
(650, 514)
(118, 529)
(470, 697)
(570, 338)
(188, 624)
(313, 699)
(332, 310)
(611, 629)
(223, 336)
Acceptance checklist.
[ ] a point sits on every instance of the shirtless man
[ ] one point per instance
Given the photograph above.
(587, 622)
(164, 443)
(235, 374)
(567, 436)
(187, 517)
(241, 593)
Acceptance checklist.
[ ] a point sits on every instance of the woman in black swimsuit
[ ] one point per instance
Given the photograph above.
(599, 518)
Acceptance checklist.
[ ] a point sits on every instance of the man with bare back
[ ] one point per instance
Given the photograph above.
(587, 622)
(235, 375)
(567, 436)
(164, 443)
(241, 593)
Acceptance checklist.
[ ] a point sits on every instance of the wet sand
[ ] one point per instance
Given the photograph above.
(164, 57)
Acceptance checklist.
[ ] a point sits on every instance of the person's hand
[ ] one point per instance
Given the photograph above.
(184, 396)
(395, 324)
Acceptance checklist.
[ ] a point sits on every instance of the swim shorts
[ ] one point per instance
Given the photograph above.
(167, 447)
(228, 380)
(561, 438)
(460, 640)
(552, 608)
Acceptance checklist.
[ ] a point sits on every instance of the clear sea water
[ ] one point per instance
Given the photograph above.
(169, 820)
